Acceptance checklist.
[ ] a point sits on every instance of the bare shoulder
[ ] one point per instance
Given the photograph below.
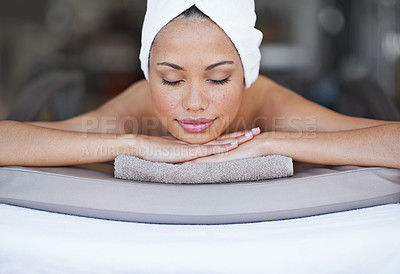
(264, 101)
(270, 97)
(135, 101)
(284, 109)
(129, 106)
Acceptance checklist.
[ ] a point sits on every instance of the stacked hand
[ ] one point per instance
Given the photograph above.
(168, 149)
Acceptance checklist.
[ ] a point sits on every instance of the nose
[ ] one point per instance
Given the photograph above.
(195, 99)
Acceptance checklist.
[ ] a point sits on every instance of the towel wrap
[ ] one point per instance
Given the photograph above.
(235, 17)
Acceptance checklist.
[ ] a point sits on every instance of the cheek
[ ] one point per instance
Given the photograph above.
(164, 102)
(228, 101)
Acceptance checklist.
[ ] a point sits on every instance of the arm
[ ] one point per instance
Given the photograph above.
(78, 140)
(371, 146)
(28, 145)
(333, 138)
(99, 136)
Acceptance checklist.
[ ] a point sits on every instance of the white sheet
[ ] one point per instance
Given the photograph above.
(358, 241)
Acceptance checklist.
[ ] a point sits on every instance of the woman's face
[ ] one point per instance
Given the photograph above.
(196, 79)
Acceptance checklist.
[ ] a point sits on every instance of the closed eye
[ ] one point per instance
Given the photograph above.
(168, 83)
(221, 82)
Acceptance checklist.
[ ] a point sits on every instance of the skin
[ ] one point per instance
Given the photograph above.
(188, 80)
(194, 82)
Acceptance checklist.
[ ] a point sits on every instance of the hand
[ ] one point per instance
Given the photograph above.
(231, 137)
(253, 148)
(171, 150)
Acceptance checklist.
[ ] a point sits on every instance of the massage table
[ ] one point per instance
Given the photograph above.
(82, 220)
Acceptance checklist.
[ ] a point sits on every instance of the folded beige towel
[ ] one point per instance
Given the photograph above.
(251, 169)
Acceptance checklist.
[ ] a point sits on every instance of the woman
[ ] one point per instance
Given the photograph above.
(203, 102)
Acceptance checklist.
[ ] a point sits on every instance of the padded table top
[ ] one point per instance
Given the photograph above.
(92, 191)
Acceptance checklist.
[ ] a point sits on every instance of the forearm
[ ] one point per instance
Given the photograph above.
(28, 145)
(88, 122)
(373, 146)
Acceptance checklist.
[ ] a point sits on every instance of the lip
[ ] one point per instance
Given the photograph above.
(196, 125)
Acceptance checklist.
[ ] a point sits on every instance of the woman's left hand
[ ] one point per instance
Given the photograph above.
(250, 149)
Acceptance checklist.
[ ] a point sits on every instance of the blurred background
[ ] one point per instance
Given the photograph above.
(59, 58)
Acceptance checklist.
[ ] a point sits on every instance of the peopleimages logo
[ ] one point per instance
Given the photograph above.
(112, 126)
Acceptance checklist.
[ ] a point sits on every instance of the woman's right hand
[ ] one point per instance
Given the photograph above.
(171, 150)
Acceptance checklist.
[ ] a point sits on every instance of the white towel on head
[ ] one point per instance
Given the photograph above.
(235, 17)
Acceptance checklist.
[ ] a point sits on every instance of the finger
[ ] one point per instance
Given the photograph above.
(209, 159)
(205, 150)
(232, 135)
(226, 156)
(240, 139)
(204, 160)
(171, 138)
(217, 158)
(254, 131)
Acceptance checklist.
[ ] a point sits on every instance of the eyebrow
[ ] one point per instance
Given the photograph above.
(210, 67)
(174, 66)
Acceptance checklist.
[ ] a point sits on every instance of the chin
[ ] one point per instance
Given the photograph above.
(196, 138)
